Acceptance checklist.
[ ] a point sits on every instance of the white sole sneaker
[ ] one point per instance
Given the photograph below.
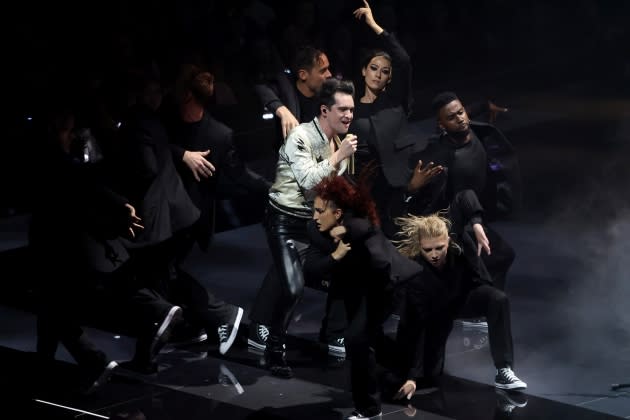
(159, 340)
(103, 378)
(224, 347)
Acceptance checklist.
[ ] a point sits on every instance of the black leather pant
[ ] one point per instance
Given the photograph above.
(283, 285)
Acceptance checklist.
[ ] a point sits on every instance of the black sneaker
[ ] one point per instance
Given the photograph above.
(506, 379)
(507, 401)
(164, 330)
(356, 414)
(258, 335)
(227, 332)
(98, 378)
(336, 347)
(227, 378)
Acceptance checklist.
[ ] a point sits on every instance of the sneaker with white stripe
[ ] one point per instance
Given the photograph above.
(506, 379)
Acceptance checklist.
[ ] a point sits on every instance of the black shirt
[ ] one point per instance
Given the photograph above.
(468, 169)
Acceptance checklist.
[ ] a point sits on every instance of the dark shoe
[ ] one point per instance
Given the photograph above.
(336, 347)
(227, 378)
(356, 415)
(98, 378)
(258, 335)
(148, 346)
(276, 362)
(227, 332)
(506, 379)
(164, 331)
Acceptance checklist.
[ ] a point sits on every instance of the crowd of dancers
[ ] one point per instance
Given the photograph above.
(383, 221)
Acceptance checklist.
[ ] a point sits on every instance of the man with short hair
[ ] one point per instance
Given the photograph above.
(475, 156)
(293, 98)
(311, 152)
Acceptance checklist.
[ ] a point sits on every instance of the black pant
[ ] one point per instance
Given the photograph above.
(367, 309)
(78, 296)
(422, 342)
(283, 285)
(488, 301)
(500, 260)
(201, 307)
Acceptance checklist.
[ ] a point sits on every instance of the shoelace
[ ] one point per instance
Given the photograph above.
(508, 374)
(263, 332)
(223, 332)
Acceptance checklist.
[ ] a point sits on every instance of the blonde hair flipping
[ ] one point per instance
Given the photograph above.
(414, 228)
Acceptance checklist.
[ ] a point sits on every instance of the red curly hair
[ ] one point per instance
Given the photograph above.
(348, 196)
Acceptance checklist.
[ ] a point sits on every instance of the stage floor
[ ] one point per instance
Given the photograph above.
(567, 363)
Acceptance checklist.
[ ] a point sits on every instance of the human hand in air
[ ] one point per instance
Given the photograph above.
(198, 164)
(483, 243)
(366, 13)
(422, 175)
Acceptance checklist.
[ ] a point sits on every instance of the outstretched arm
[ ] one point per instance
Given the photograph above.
(365, 12)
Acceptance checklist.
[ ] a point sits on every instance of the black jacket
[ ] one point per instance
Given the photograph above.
(372, 260)
(210, 134)
(502, 194)
(147, 176)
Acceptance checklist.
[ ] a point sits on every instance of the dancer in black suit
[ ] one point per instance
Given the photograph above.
(348, 247)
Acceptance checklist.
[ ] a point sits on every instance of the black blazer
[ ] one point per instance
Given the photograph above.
(372, 256)
(211, 134)
(277, 91)
(502, 194)
(393, 138)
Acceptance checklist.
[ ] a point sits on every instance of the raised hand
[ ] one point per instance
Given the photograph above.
(422, 175)
(366, 13)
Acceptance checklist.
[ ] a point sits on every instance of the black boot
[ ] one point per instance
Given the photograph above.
(275, 357)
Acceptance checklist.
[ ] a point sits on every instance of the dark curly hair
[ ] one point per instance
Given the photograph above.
(351, 197)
